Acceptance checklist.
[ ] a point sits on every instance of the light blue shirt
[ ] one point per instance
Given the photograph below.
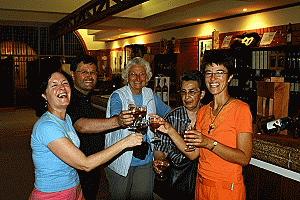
(51, 173)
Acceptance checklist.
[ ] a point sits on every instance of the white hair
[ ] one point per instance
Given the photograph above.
(137, 61)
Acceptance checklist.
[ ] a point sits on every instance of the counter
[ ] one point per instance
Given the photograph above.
(279, 150)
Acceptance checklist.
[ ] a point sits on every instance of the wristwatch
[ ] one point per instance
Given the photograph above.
(215, 143)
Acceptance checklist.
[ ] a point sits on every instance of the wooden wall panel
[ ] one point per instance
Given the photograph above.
(265, 185)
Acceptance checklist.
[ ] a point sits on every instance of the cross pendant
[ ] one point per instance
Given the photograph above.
(211, 127)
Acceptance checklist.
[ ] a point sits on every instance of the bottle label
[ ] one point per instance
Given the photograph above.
(158, 93)
(165, 96)
(289, 38)
(274, 124)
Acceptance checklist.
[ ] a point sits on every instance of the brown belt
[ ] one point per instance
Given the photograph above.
(210, 183)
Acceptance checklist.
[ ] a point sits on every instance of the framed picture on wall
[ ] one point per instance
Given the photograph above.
(203, 45)
(117, 61)
(127, 54)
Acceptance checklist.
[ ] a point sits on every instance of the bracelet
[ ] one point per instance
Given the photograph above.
(215, 143)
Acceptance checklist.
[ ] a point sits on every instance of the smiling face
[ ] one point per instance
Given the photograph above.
(58, 92)
(137, 78)
(217, 78)
(191, 95)
(85, 77)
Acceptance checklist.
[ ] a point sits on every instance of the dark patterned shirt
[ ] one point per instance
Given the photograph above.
(179, 119)
(81, 107)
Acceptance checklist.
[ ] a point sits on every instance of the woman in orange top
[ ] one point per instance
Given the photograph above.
(223, 135)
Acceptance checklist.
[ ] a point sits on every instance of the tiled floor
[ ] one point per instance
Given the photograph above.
(16, 121)
(16, 166)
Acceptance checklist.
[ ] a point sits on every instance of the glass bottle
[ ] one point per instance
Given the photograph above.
(275, 126)
(165, 92)
(158, 89)
(289, 34)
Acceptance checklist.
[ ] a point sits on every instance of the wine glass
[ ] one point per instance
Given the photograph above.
(160, 168)
(142, 111)
(139, 113)
(133, 108)
(189, 148)
(141, 125)
(154, 124)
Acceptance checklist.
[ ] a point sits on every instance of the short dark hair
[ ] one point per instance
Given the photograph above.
(86, 59)
(219, 57)
(194, 75)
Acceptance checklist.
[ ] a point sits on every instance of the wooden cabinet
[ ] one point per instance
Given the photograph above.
(273, 99)
(165, 65)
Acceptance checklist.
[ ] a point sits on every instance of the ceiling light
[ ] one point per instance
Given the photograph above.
(198, 20)
(245, 9)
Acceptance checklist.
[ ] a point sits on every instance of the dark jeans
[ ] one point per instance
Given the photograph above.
(94, 184)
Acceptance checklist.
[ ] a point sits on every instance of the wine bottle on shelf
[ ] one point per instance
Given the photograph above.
(165, 92)
(158, 89)
(275, 126)
(289, 34)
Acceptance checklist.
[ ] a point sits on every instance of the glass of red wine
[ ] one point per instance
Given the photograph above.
(139, 113)
(154, 124)
(160, 168)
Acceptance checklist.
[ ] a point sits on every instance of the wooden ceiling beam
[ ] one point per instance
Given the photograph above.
(89, 13)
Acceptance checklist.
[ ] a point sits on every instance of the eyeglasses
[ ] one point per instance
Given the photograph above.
(134, 75)
(190, 93)
(218, 74)
(86, 73)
